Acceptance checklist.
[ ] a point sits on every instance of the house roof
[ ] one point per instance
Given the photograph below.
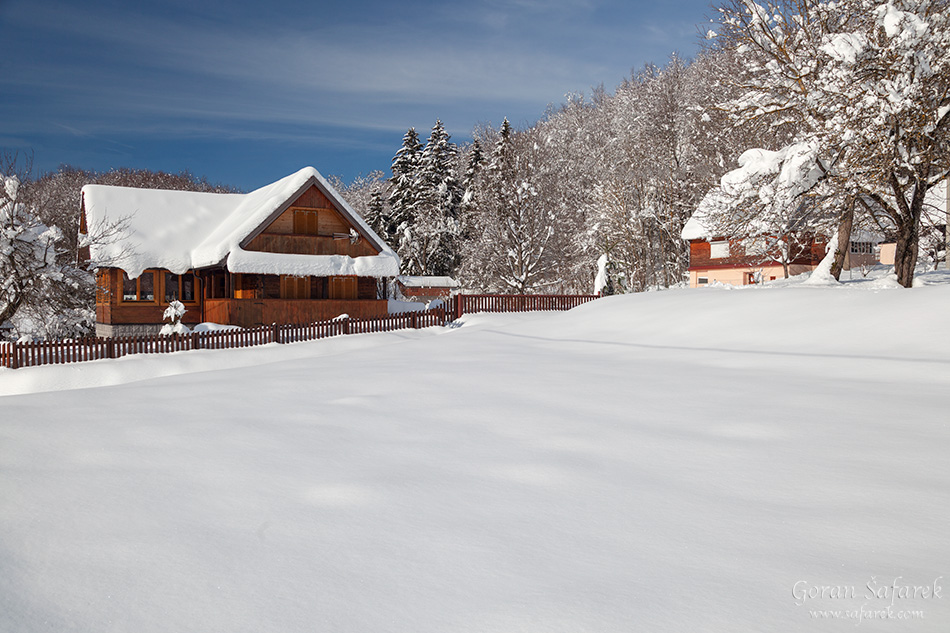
(697, 227)
(182, 230)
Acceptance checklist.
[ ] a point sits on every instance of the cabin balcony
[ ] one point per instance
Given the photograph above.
(256, 312)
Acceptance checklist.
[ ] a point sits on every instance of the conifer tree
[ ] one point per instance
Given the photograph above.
(404, 198)
(376, 212)
(436, 243)
(475, 159)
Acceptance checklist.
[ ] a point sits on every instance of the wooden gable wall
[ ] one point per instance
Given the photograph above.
(280, 236)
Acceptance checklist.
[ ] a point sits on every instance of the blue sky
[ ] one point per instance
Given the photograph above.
(247, 92)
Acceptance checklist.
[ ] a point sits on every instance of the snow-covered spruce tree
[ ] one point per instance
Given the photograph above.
(866, 84)
(404, 195)
(376, 210)
(435, 244)
(473, 165)
(41, 290)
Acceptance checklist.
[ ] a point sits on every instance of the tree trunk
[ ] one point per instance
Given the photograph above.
(946, 230)
(905, 256)
(908, 238)
(844, 241)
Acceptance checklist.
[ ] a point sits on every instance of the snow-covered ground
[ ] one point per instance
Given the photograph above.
(691, 460)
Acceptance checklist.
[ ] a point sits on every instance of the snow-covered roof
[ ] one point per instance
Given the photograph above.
(182, 230)
(697, 227)
(427, 281)
(863, 235)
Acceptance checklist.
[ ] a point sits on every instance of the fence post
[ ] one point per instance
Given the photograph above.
(346, 325)
(413, 320)
(110, 348)
(15, 355)
(276, 333)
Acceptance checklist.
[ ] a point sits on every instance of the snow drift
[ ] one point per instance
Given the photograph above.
(677, 461)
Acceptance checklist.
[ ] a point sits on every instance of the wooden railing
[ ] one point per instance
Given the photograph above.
(15, 355)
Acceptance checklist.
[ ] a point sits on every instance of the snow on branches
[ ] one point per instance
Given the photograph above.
(864, 82)
(36, 277)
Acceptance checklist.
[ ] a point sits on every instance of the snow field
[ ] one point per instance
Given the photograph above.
(662, 462)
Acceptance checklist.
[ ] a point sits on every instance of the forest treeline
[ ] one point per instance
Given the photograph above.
(611, 178)
(827, 116)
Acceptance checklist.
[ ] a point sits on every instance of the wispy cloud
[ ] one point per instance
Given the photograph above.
(269, 74)
(287, 69)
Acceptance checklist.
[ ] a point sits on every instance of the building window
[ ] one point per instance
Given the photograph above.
(294, 287)
(702, 281)
(862, 248)
(719, 250)
(305, 222)
(179, 287)
(343, 288)
(142, 288)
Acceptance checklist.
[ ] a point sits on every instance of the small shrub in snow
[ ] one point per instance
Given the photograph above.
(173, 313)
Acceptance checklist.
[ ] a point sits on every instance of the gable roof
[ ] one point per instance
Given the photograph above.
(696, 228)
(182, 230)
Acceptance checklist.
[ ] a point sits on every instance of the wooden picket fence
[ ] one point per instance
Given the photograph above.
(15, 355)
(467, 304)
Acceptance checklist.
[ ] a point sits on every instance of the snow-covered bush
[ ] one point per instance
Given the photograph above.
(41, 290)
(174, 313)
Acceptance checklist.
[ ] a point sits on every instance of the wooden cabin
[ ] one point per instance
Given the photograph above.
(290, 252)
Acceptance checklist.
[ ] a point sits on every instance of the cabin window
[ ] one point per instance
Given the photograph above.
(142, 288)
(216, 286)
(702, 281)
(343, 288)
(179, 287)
(719, 250)
(862, 248)
(305, 222)
(294, 287)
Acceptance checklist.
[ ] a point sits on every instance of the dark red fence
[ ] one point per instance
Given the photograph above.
(467, 304)
(15, 355)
